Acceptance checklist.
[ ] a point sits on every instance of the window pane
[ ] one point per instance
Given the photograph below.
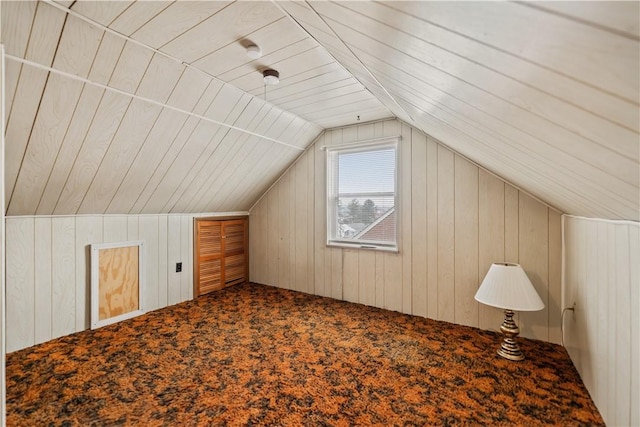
(367, 172)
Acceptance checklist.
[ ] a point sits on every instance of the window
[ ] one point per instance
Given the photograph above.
(361, 195)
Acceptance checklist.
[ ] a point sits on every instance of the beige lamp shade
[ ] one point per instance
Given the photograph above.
(507, 286)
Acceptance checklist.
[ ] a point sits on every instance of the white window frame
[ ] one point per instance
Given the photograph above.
(331, 175)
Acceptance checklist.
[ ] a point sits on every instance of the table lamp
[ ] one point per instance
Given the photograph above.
(507, 286)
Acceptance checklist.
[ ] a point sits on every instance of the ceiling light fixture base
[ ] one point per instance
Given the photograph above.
(271, 77)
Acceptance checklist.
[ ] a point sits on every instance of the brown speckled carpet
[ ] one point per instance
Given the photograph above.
(254, 354)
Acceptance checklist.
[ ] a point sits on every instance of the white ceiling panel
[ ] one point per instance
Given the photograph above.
(103, 12)
(175, 20)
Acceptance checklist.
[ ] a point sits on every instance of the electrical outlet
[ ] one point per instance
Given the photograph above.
(178, 267)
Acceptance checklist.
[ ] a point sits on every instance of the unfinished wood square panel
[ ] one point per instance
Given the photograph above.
(117, 282)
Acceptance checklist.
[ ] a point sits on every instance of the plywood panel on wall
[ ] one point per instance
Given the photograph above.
(456, 220)
(119, 282)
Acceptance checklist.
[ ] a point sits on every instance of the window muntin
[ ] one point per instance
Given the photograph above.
(362, 195)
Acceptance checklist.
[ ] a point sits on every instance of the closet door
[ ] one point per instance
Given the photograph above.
(234, 244)
(221, 249)
(209, 247)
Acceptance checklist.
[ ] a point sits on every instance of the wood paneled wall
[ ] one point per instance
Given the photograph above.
(602, 278)
(48, 272)
(455, 220)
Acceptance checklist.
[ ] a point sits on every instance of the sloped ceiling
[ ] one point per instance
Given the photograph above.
(172, 116)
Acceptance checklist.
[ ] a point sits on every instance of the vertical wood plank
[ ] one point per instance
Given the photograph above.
(511, 224)
(367, 277)
(254, 242)
(173, 256)
(580, 254)
(405, 215)
(88, 230)
(533, 246)
(310, 222)
(20, 315)
(148, 233)
(622, 326)
(163, 257)
(132, 227)
(273, 237)
(466, 241)
(284, 227)
(336, 273)
(115, 229)
(612, 308)
(446, 260)
(634, 298)
(432, 229)
(350, 272)
(257, 265)
(320, 219)
(419, 224)
(293, 256)
(379, 278)
(555, 277)
(43, 249)
(190, 255)
(604, 353)
(63, 310)
(392, 282)
(490, 239)
(301, 280)
(186, 287)
(588, 272)
(261, 257)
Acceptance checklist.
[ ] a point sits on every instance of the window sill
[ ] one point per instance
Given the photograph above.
(364, 247)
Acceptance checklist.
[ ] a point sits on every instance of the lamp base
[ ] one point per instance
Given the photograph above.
(510, 349)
